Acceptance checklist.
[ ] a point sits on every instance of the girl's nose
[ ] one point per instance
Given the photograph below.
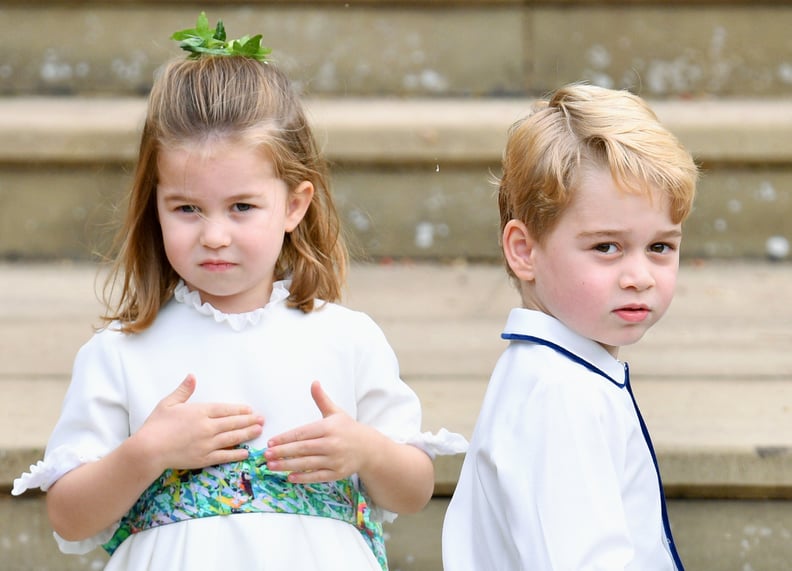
(214, 234)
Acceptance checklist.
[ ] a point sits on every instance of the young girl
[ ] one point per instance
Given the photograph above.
(226, 382)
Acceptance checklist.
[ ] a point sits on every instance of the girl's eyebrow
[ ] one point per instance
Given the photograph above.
(244, 197)
(173, 196)
(177, 196)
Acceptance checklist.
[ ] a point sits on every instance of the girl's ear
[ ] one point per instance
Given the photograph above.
(518, 248)
(297, 204)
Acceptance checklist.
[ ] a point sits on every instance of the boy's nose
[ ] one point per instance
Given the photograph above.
(637, 274)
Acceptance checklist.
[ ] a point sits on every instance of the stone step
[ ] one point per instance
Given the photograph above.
(678, 48)
(411, 176)
(722, 535)
(714, 380)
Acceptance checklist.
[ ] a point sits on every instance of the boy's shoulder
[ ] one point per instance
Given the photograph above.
(542, 372)
(546, 364)
(552, 341)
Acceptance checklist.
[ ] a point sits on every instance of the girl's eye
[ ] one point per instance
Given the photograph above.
(608, 248)
(242, 207)
(187, 208)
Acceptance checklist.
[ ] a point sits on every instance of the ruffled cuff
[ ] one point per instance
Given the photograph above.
(86, 545)
(46, 472)
(380, 515)
(442, 443)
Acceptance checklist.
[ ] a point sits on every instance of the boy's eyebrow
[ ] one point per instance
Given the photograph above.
(667, 234)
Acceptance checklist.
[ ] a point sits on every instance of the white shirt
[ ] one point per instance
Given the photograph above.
(267, 359)
(559, 475)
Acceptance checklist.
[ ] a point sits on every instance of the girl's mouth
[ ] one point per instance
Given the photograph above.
(216, 265)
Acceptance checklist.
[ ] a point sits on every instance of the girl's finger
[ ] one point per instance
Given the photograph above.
(182, 393)
(300, 434)
(224, 456)
(296, 464)
(230, 423)
(326, 406)
(287, 451)
(233, 438)
(312, 477)
(223, 409)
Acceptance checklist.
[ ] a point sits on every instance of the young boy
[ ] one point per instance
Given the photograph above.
(561, 473)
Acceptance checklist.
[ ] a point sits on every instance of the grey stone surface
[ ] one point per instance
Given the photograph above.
(388, 130)
(664, 49)
(671, 49)
(710, 535)
(328, 47)
(412, 178)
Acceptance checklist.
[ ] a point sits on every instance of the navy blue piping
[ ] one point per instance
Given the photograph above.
(666, 523)
(571, 356)
(565, 352)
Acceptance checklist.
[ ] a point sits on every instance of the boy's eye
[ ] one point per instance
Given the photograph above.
(242, 207)
(608, 248)
(661, 248)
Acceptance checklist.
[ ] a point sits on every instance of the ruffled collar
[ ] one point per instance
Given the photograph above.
(237, 321)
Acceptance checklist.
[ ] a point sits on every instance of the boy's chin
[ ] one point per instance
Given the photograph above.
(612, 345)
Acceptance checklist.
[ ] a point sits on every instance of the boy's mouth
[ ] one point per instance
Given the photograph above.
(633, 313)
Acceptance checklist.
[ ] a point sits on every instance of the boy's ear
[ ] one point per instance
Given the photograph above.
(518, 248)
(297, 204)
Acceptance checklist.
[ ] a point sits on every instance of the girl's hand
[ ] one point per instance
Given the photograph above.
(186, 435)
(330, 449)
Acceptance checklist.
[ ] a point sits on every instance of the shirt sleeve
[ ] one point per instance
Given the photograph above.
(94, 420)
(388, 404)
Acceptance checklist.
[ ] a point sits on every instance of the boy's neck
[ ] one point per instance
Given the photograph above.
(529, 301)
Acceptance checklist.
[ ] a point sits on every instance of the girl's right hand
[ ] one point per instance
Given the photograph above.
(177, 434)
(184, 435)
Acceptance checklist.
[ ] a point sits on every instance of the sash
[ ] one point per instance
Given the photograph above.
(247, 487)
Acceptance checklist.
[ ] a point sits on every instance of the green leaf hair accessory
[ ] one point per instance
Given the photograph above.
(204, 40)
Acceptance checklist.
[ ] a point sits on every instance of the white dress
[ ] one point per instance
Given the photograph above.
(559, 474)
(267, 359)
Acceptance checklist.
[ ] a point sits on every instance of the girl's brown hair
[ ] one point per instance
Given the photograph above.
(240, 100)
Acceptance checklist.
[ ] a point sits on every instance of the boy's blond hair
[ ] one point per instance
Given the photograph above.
(583, 125)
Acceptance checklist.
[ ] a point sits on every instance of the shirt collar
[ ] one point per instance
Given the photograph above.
(237, 321)
(543, 327)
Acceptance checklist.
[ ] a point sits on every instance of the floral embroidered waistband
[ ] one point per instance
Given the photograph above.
(246, 487)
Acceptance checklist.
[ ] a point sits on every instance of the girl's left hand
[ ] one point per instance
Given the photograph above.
(327, 450)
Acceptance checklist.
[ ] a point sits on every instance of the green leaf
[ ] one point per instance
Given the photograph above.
(202, 26)
(220, 33)
(203, 40)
